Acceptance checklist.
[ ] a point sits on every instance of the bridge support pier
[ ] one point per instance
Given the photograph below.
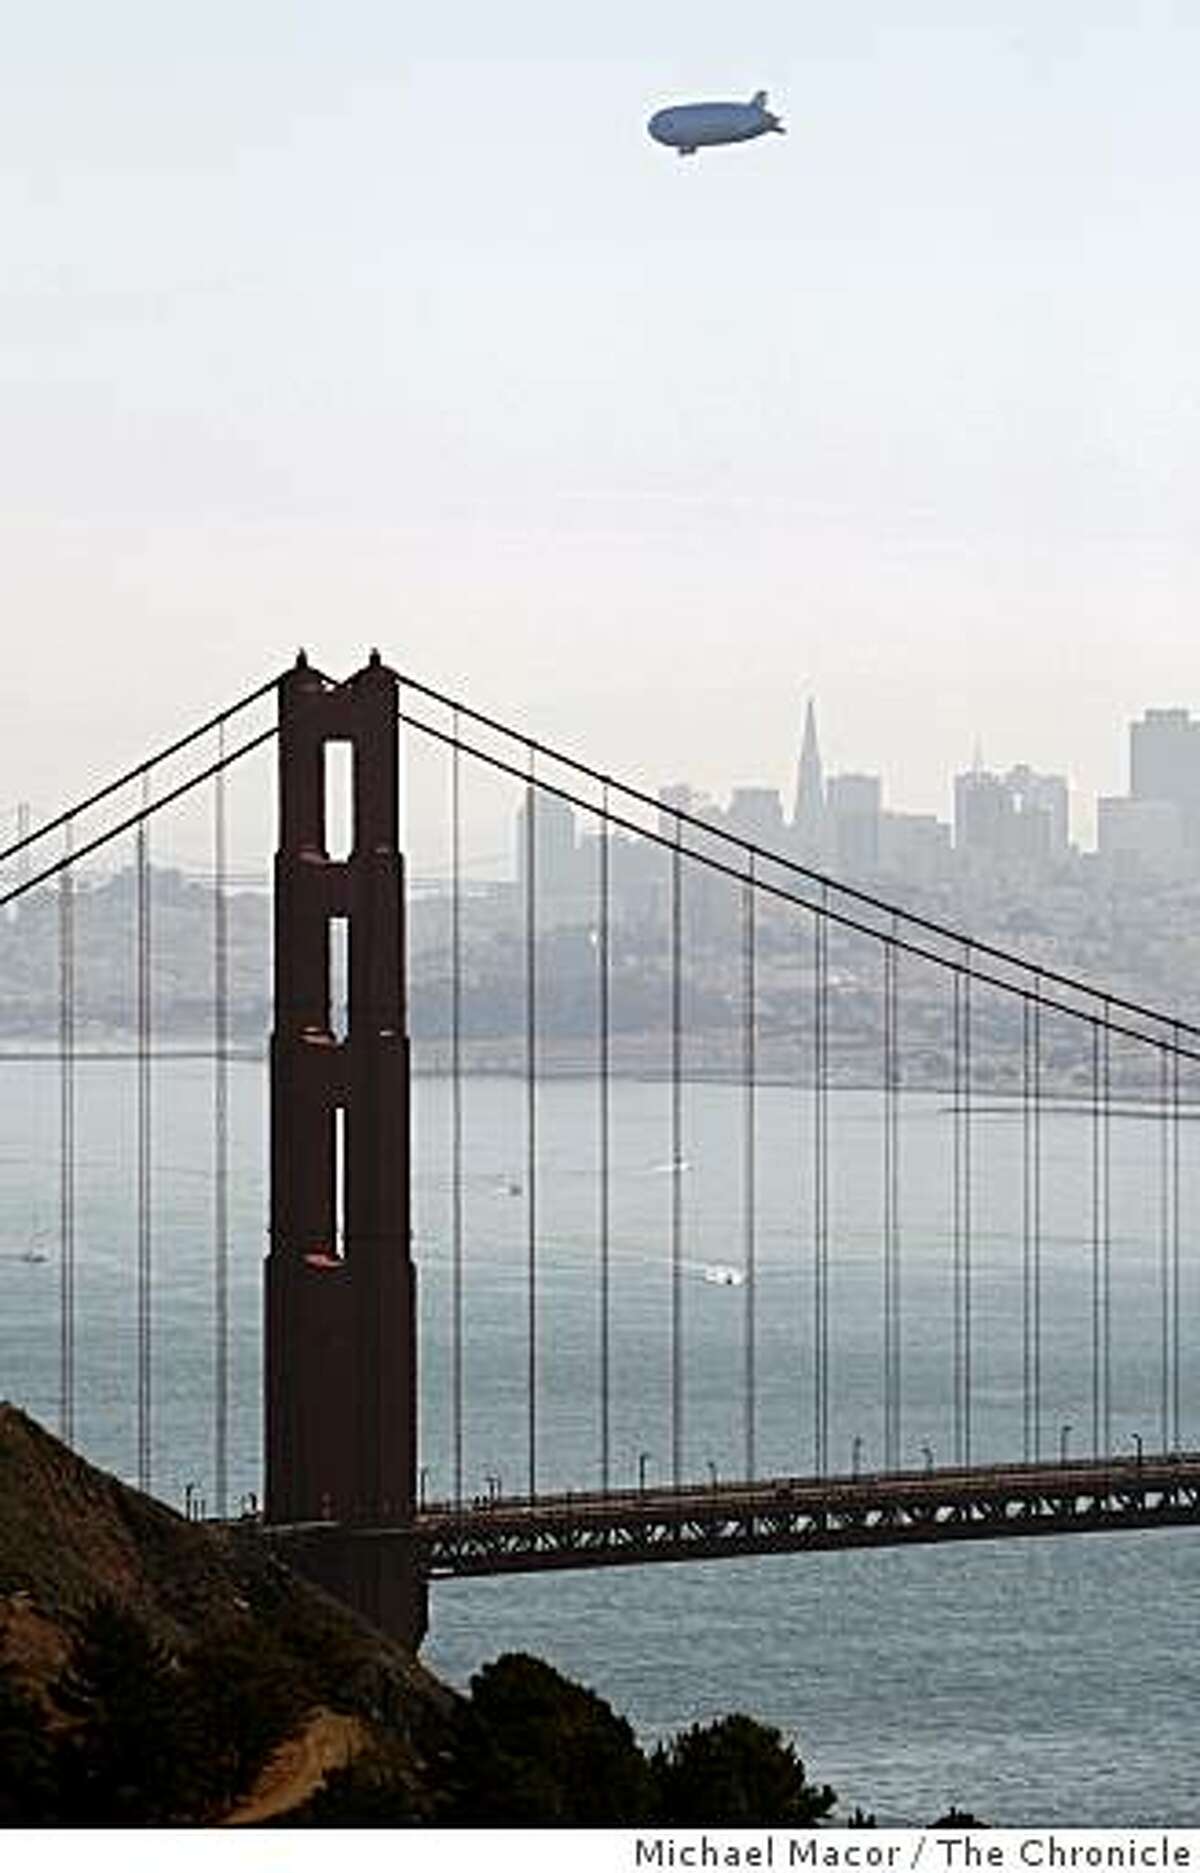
(341, 1353)
(378, 1574)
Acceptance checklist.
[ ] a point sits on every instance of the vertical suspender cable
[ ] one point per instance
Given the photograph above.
(221, 1130)
(749, 1024)
(957, 1209)
(456, 1111)
(676, 1159)
(897, 1243)
(1164, 1253)
(1026, 1228)
(963, 1325)
(1106, 1233)
(821, 1183)
(66, 1039)
(1175, 1429)
(1036, 1217)
(802, 1086)
(143, 1143)
(531, 1113)
(603, 1041)
(891, 1205)
(1096, 1225)
(968, 1327)
(886, 1141)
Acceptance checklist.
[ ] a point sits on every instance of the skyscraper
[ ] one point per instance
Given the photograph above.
(1164, 764)
(756, 813)
(854, 808)
(808, 815)
(1019, 816)
(561, 879)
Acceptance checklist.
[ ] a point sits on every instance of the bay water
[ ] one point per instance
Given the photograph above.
(1034, 1681)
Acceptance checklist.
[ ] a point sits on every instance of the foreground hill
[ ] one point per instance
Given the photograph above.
(127, 1632)
(157, 1671)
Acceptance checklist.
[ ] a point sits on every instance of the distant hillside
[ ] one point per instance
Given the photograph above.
(125, 1630)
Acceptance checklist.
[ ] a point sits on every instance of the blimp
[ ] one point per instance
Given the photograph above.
(690, 127)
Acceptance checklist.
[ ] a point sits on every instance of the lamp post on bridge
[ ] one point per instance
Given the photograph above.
(643, 1460)
(856, 1451)
(712, 1474)
(1137, 1439)
(1064, 1438)
(927, 1453)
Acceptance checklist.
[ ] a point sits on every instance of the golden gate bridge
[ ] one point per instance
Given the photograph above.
(344, 1492)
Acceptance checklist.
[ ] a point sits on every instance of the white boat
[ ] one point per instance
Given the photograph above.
(721, 1275)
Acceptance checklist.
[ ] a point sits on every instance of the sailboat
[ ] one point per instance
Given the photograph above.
(36, 1249)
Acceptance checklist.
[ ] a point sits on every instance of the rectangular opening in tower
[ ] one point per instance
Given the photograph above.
(339, 1182)
(339, 977)
(339, 799)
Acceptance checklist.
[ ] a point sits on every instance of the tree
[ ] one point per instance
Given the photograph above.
(381, 1789)
(534, 1749)
(244, 1701)
(735, 1773)
(131, 1755)
(28, 1790)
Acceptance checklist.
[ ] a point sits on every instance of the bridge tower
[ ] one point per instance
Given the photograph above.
(341, 1348)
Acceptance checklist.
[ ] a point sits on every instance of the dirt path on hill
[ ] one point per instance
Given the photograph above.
(328, 1740)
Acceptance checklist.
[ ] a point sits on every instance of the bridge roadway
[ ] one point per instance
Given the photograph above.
(788, 1515)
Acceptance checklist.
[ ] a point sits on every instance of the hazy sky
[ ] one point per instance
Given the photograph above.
(365, 324)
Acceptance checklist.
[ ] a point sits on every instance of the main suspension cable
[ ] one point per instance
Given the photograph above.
(779, 861)
(26, 838)
(133, 820)
(972, 947)
(32, 879)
